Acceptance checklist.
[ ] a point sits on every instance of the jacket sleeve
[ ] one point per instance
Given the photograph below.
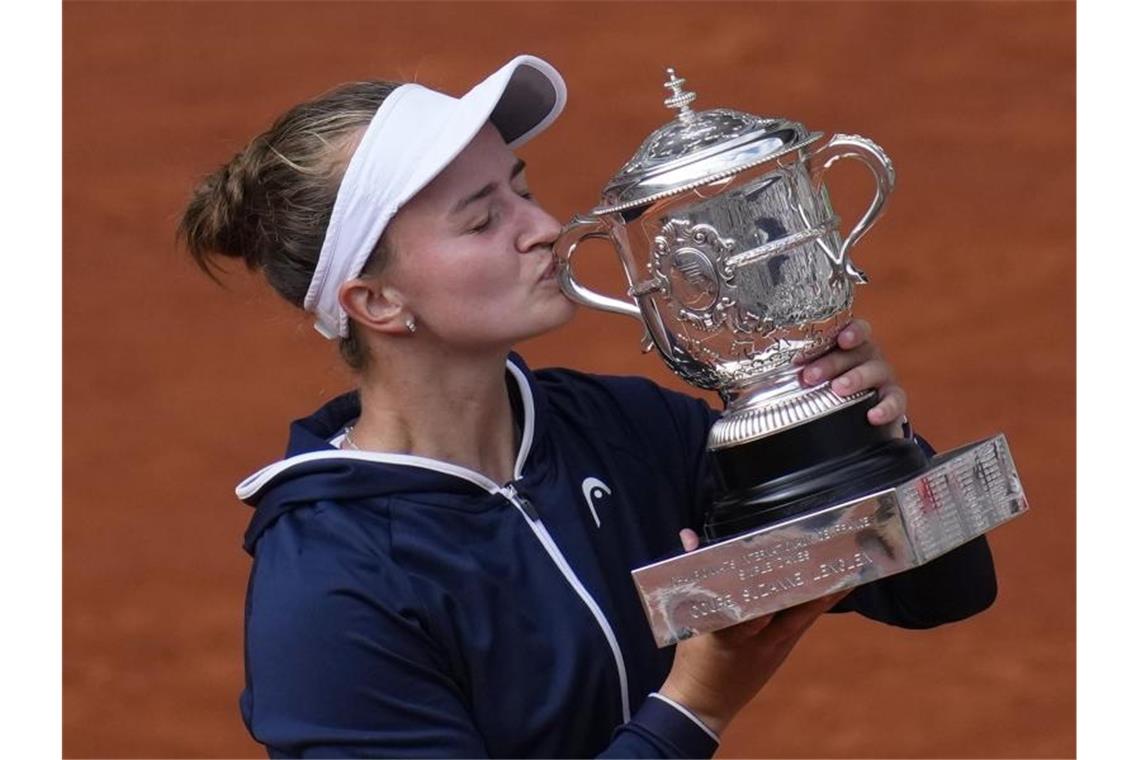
(662, 728)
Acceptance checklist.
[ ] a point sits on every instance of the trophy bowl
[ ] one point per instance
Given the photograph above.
(739, 272)
(725, 230)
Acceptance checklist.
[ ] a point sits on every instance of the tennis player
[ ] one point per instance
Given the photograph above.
(441, 561)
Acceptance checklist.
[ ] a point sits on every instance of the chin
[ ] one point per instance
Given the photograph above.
(551, 318)
(564, 312)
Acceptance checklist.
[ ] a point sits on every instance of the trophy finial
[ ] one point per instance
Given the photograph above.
(680, 99)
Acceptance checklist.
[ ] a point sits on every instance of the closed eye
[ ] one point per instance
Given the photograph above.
(486, 222)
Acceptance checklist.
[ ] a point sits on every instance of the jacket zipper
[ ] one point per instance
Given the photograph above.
(521, 502)
(511, 494)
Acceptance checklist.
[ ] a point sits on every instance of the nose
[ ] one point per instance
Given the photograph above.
(539, 229)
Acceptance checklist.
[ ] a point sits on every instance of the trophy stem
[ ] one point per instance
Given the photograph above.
(806, 467)
(773, 405)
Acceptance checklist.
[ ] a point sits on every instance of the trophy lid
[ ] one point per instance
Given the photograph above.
(698, 147)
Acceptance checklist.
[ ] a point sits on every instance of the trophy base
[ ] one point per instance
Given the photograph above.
(958, 497)
(806, 467)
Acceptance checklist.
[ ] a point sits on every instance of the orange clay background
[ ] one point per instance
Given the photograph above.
(175, 388)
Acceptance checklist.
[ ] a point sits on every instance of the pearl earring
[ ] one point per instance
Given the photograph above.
(410, 322)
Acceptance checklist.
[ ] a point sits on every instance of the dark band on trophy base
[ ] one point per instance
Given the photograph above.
(804, 468)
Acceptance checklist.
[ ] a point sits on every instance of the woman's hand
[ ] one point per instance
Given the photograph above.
(716, 674)
(858, 365)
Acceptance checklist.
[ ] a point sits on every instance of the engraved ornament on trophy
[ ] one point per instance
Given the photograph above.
(739, 272)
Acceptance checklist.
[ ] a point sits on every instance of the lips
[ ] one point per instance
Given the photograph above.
(549, 271)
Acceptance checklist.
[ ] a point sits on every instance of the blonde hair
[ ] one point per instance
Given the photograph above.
(270, 204)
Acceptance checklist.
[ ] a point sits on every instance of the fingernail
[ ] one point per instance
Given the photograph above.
(848, 335)
(842, 383)
(812, 376)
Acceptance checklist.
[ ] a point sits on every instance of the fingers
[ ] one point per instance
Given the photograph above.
(856, 333)
(854, 348)
(835, 363)
(856, 366)
(794, 621)
(891, 406)
(741, 631)
(689, 540)
(781, 626)
(873, 373)
(854, 371)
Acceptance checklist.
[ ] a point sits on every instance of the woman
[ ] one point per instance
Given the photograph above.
(441, 563)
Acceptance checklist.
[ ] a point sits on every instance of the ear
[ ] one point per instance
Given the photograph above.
(375, 306)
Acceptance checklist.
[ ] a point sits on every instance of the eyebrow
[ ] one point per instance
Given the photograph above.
(486, 190)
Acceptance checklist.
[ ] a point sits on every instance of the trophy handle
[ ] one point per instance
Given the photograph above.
(578, 229)
(875, 159)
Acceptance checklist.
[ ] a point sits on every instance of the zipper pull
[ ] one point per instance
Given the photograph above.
(515, 497)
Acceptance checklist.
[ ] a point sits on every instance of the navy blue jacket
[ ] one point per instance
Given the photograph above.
(401, 606)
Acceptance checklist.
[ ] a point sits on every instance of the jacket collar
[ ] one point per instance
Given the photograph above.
(310, 450)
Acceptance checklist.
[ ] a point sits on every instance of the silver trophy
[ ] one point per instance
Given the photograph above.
(739, 273)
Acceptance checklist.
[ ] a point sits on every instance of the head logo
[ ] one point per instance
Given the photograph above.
(592, 489)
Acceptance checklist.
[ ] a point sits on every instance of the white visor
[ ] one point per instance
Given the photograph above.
(414, 135)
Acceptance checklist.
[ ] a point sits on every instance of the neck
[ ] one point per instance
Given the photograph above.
(444, 407)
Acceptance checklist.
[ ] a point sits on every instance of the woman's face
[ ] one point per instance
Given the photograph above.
(472, 257)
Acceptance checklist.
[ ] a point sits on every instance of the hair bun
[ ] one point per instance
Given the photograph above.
(213, 220)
